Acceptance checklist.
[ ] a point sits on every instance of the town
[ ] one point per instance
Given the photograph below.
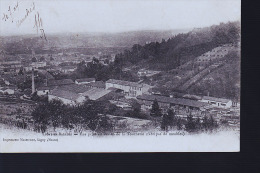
(26, 80)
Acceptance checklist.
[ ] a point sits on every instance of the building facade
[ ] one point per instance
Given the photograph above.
(217, 102)
(131, 89)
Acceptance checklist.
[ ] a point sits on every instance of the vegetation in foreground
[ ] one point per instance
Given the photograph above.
(90, 116)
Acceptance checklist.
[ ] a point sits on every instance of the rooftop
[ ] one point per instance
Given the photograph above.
(97, 84)
(74, 88)
(60, 82)
(8, 87)
(65, 94)
(126, 83)
(85, 80)
(215, 99)
(96, 93)
(178, 101)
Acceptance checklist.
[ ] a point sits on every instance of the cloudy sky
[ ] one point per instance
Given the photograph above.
(115, 15)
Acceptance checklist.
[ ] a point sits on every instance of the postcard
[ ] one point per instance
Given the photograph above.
(120, 76)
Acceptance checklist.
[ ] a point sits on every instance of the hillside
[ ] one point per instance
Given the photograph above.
(216, 72)
(79, 41)
(224, 81)
(181, 48)
(202, 61)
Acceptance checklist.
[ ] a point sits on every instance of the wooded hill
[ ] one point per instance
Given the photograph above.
(181, 48)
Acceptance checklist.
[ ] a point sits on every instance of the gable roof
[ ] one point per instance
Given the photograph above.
(46, 88)
(177, 101)
(74, 88)
(60, 82)
(96, 93)
(126, 83)
(97, 84)
(215, 99)
(85, 80)
(65, 94)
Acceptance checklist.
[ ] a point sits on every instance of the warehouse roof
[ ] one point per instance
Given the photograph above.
(74, 88)
(65, 94)
(177, 101)
(85, 80)
(215, 99)
(96, 93)
(126, 83)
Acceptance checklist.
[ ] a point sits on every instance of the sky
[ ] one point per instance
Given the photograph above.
(59, 16)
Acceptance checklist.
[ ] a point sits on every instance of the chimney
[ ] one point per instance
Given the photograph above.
(33, 85)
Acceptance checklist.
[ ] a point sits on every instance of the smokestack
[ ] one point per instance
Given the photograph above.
(33, 85)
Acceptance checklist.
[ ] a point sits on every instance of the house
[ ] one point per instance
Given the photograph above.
(122, 102)
(97, 84)
(10, 63)
(68, 69)
(167, 102)
(7, 90)
(46, 74)
(142, 72)
(2, 82)
(217, 102)
(44, 90)
(51, 85)
(38, 64)
(28, 68)
(131, 89)
(84, 81)
(59, 82)
(13, 79)
(67, 97)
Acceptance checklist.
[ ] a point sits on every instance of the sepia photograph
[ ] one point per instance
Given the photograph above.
(120, 76)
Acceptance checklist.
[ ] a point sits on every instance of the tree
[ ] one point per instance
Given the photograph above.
(190, 125)
(205, 123)
(178, 124)
(198, 124)
(34, 59)
(56, 111)
(42, 59)
(136, 107)
(168, 120)
(212, 123)
(41, 117)
(155, 111)
(21, 71)
(164, 124)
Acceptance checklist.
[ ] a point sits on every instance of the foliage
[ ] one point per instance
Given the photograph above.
(155, 111)
(102, 72)
(34, 59)
(180, 48)
(168, 120)
(190, 125)
(57, 114)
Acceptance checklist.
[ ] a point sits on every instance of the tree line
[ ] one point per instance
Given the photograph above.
(79, 117)
(168, 54)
